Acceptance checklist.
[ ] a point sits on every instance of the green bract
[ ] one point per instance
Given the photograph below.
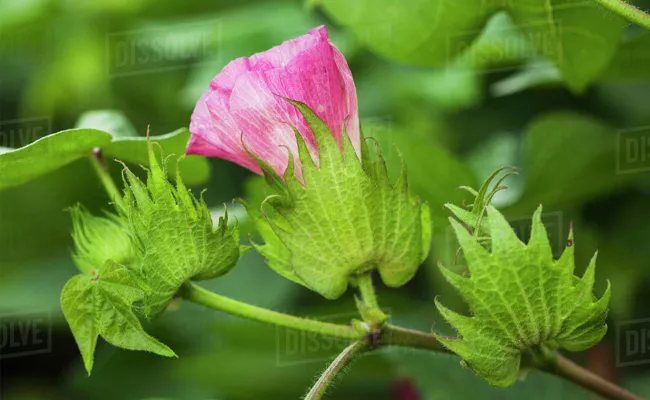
(98, 239)
(100, 300)
(476, 218)
(347, 218)
(521, 300)
(162, 237)
(173, 235)
(194, 169)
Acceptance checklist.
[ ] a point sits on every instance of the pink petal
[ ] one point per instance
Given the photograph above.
(352, 127)
(276, 57)
(243, 108)
(215, 133)
(311, 77)
(264, 120)
(280, 56)
(226, 79)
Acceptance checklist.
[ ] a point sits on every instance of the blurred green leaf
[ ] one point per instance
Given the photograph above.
(622, 253)
(413, 31)
(17, 11)
(111, 121)
(441, 377)
(71, 75)
(501, 44)
(638, 383)
(581, 37)
(48, 154)
(632, 59)
(568, 158)
(195, 170)
(533, 74)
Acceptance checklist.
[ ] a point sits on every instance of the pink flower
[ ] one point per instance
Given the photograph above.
(244, 109)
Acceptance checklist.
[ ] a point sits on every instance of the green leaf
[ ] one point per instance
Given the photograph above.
(111, 121)
(101, 304)
(174, 235)
(500, 45)
(345, 220)
(48, 154)
(632, 61)
(534, 74)
(413, 31)
(522, 301)
(195, 170)
(555, 154)
(98, 239)
(460, 383)
(581, 37)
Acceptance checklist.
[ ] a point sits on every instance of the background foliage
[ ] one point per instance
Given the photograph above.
(459, 87)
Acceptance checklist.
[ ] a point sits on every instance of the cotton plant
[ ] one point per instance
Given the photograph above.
(333, 217)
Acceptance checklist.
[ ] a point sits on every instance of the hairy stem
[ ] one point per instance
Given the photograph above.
(329, 375)
(390, 335)
(627, 11)
(100, 168)
(209, 299)
(393, 335)
(567, 369)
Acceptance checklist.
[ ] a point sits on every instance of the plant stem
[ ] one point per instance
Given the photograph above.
(367, 290)
(329, 375)
(571, 371)
(209, 299)
(390, 335)
(627, 11)
(393, 335)
(100, 168)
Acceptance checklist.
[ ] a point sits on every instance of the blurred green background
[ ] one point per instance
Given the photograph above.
(460, 88)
